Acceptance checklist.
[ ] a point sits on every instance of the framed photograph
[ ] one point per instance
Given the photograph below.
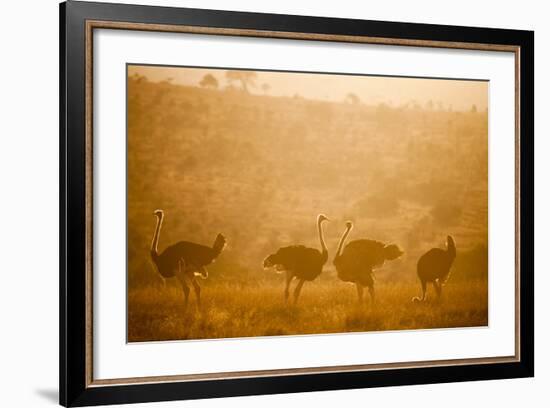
(256, 203)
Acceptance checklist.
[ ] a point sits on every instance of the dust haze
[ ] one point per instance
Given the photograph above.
(257, 156)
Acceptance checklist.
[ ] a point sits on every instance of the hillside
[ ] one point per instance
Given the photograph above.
(260, 168)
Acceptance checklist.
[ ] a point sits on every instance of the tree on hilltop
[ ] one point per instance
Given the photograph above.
(245, 78)
(209, 81)
(352, 99)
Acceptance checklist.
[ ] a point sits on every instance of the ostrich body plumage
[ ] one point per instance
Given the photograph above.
(436, 263)
(184, 259)
(306, 263)
(195, 256)
(435, 266)
(360, 257)
(355, 263)
(300, 262)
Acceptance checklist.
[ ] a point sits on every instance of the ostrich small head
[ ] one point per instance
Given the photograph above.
(321, 218)
(451, 247)
(219, 243)
(158, 213)
(274, 261)
(349, 225)
(269, 261)
(392, 252)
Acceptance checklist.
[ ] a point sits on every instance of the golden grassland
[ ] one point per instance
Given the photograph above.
(325, 306)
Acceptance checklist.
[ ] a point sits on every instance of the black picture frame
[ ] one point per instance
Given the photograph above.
(75, 387)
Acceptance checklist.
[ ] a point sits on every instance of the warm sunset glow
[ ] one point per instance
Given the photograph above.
(257, 156)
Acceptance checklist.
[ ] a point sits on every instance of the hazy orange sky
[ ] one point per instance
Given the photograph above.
(459, 94)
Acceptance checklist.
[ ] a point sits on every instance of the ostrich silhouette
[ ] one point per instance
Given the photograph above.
(435, 266)
(356, 263)
(300, 262)
(184, 260)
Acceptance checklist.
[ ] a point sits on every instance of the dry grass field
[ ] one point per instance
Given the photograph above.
(157, 312)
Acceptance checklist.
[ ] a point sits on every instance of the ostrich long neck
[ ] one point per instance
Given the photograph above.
(342, 240)
(451, 250)
(154, 244)
(320, 228)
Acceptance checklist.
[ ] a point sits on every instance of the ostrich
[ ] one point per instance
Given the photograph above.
(359, 258)
(434, 266)
(300, 262)
(184, 260)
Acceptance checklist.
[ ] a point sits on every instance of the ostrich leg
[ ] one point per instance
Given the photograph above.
(287, 284)
(437, 287)
(182, 280)
(423, 283)
(197, 289)
(372, 296)
(297, 290)
(359, 292)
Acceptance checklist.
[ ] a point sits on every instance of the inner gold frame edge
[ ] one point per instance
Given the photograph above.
(92, 24)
